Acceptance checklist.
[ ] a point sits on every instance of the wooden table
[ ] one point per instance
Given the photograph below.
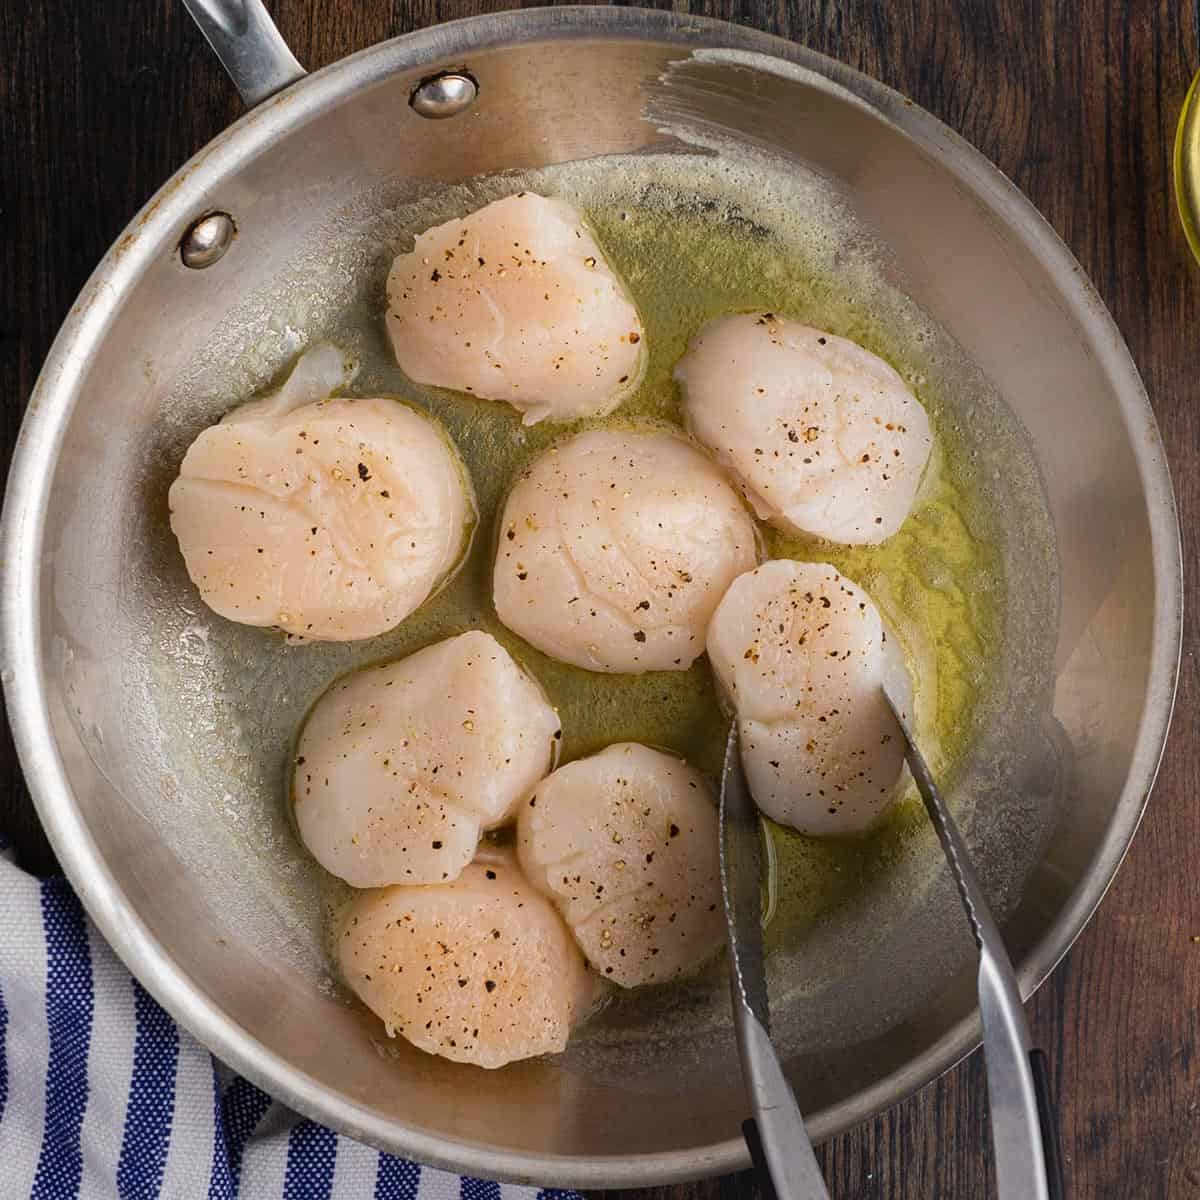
(1077, 102)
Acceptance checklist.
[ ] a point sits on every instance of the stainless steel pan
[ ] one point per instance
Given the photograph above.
(133, 760)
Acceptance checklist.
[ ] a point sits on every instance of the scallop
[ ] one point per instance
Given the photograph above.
(481, 970)
(626, 845)
(400, 768)
(516, 302)
(331, 519)
(614, 549)
(825, 438)
(802, 652)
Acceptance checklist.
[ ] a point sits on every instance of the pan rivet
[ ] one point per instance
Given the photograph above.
(207, 240)
(444, 95)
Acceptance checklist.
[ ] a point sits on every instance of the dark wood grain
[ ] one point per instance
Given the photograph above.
(1076, 100)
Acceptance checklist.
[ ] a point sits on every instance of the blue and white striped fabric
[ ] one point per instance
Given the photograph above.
(103, 1097)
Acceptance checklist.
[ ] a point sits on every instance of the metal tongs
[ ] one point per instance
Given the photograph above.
(1024, 1141)
(778, 1141)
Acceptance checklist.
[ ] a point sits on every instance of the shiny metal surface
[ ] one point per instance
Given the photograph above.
(444, 95)
(741, 884)
(243, 36)
(1017, 1149)
(207, 240)
(786, 1146)
(137, 833)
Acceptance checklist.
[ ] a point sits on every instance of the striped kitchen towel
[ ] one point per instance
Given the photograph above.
(103, 1097)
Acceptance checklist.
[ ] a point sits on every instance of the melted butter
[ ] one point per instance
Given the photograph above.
(938, 581)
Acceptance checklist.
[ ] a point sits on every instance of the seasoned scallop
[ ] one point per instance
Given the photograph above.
(614, 549)
(481, 970)
(332, 520)
(625, 844)
(825, 438)
(802, 653)
(516, 302)
(400, 768)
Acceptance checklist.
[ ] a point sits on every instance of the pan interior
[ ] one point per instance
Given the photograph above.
(971, 591)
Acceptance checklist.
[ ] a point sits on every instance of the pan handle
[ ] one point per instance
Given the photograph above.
(245, 39)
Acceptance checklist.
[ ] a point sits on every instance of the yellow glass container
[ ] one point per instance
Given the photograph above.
(1187, 166)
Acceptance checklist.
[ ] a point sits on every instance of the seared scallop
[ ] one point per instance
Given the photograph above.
(516, 302)
(802, 652)
(625, 844)
(400, 768)
(481, 970)
(614, 549)
(825, 437)
(332, 520)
